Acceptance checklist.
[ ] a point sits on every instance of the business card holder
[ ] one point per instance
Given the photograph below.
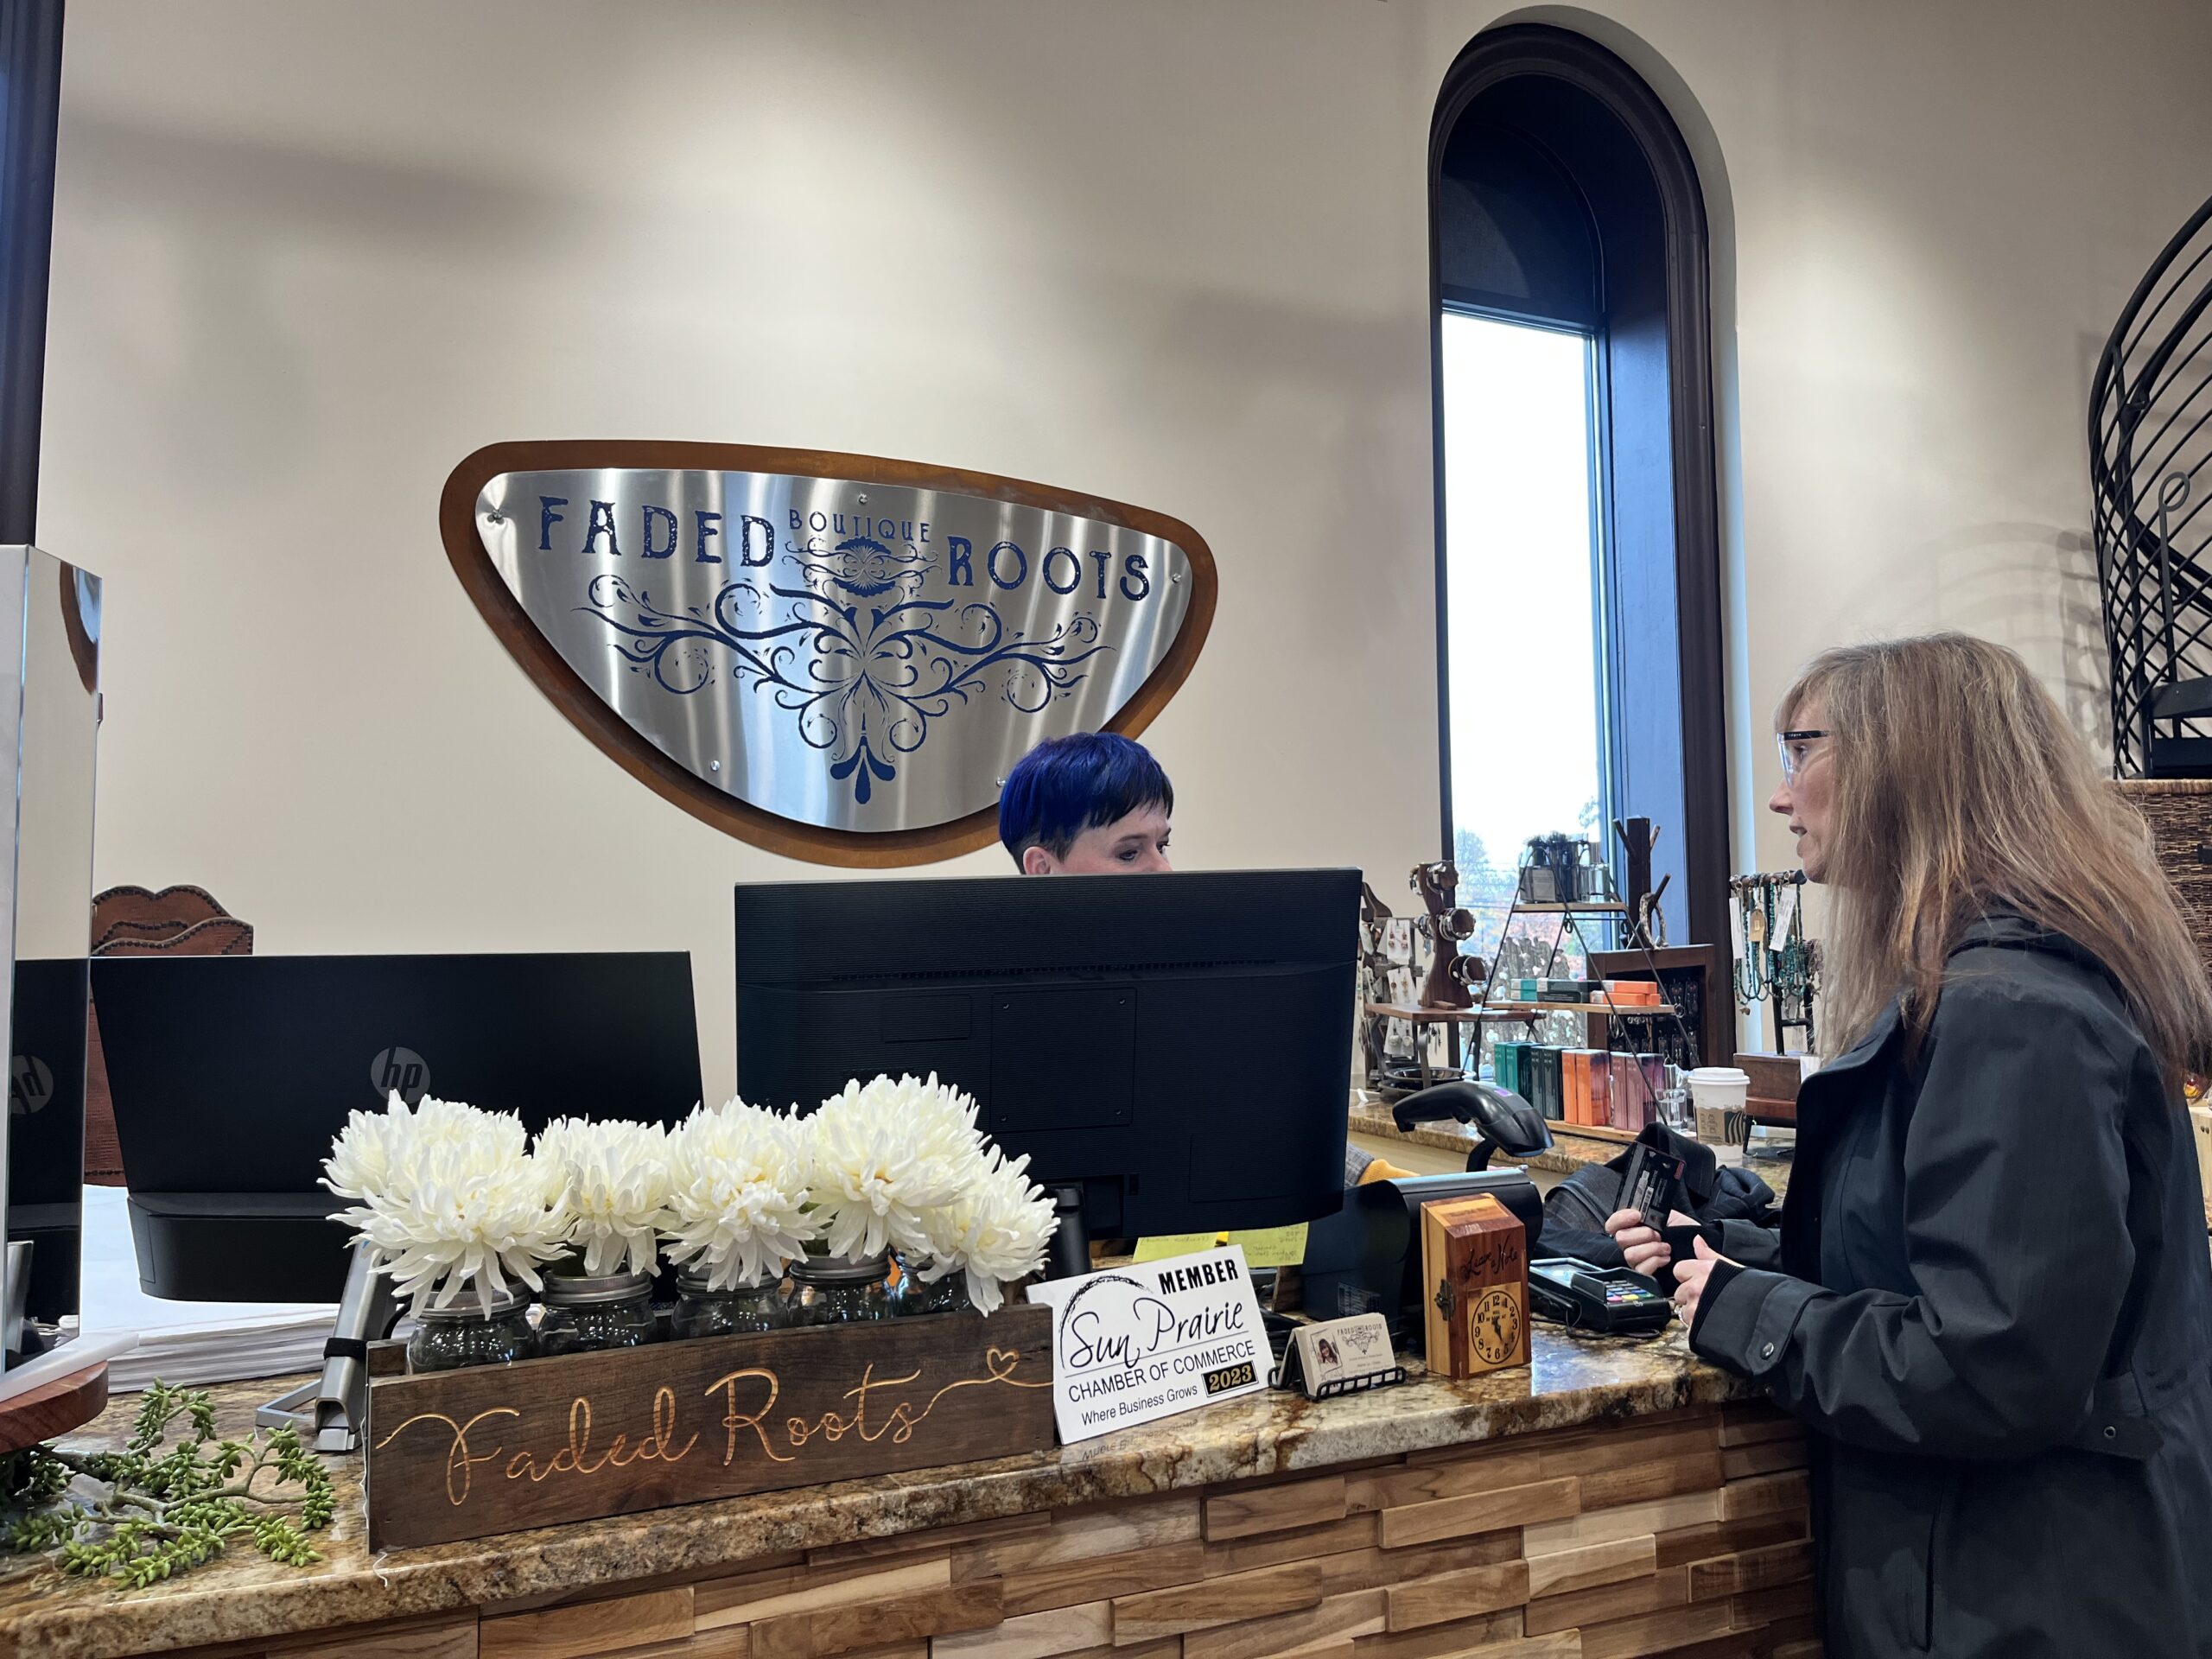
(1316, 1348)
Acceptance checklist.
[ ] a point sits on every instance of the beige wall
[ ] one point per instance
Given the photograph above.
(307, 255)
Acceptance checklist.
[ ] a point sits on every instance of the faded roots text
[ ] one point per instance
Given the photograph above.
(881, 1408)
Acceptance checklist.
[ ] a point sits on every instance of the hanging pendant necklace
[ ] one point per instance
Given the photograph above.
(1792, 971)
(1751, 976)
(1770, 935)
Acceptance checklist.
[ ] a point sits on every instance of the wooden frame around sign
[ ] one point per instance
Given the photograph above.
(566, 689)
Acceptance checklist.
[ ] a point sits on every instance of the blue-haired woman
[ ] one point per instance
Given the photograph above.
(1094, 803)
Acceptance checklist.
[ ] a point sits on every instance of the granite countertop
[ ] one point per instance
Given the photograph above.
(243, 1597)
(1567, 1153)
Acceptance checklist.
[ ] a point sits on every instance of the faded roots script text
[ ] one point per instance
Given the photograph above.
(877, 1409)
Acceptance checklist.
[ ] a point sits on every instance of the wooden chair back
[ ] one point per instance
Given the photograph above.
(178, 921)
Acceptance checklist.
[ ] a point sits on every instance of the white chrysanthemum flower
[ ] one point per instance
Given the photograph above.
(361, 1159)
(607, 1183)
(366, 1157)
(447, 1195)
(996, 1231)
(884, 1155)
(736, 1197)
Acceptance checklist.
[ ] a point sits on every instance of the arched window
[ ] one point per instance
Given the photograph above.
(1578, 579)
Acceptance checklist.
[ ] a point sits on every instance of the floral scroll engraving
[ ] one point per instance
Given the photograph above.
(841, 638)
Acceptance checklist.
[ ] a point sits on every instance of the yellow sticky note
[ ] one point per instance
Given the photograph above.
(1271, 1247)
(1152, 1249)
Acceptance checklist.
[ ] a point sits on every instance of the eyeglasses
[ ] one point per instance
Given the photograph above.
(1797, 749)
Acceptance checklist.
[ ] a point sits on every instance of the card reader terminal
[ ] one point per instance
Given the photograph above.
(1584, 1297)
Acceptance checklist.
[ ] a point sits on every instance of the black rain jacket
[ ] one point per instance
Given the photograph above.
(1575, 1211)
(1989, 1301)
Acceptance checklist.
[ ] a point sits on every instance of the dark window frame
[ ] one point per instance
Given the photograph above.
(30, 105)
(1540, 50)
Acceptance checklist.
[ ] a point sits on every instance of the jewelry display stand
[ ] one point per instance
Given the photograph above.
(1443, 994)
(1581, 896)
(1773, 959)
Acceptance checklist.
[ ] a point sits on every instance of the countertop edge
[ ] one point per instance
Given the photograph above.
(1264, 1436)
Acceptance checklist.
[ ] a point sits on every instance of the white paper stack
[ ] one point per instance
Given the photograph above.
(195, 1342)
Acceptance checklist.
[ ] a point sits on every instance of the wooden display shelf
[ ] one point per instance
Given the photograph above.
(1592, 1131)
(1506, 1011)
(1518, 1010)
(1422, 1016)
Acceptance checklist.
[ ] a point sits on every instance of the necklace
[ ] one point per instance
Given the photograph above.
(1791, 971)
(1751, 979)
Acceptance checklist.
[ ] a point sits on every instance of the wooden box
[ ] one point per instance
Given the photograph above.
(463, 1454)
(1773, 1077)
(1475, 1269)
(1773, 1097)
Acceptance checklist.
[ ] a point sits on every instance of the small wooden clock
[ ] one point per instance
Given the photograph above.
(1475, 1264)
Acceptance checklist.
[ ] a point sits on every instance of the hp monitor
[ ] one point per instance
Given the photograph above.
(1173, 1051)
(232, 1076)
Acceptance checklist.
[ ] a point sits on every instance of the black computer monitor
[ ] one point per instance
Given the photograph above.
(1176, 1048)
(231, 1075)
(46, 1130)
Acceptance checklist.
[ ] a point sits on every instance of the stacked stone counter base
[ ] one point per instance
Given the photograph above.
(1613, 1497)
(1680, 1532)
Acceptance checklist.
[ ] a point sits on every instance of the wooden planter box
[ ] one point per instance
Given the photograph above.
(463, 1454)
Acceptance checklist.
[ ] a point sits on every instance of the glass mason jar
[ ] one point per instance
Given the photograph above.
(948, 1296)
(704, 1313)
(837, 1290)
(462, 1334)
(585, 1315)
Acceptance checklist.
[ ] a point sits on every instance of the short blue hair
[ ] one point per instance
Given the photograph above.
(1068, 785)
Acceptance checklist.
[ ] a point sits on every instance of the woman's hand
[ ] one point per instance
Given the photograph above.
(1646, 1251)
(1689, 1280)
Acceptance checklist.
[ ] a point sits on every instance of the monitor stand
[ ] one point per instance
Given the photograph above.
(332, 1412)
(1070, 1256)
(14, 1298)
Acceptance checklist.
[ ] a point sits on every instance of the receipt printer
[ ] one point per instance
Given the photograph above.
(1366, 1258)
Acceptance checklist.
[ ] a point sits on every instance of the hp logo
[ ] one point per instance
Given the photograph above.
(30, 1086)
(401, 1072)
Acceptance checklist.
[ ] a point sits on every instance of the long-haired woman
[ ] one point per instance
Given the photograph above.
(1989, 1298)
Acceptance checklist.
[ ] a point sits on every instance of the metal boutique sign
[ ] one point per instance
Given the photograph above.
(834, 656)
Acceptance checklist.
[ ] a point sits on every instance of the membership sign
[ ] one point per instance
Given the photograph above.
(1134, 1343)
